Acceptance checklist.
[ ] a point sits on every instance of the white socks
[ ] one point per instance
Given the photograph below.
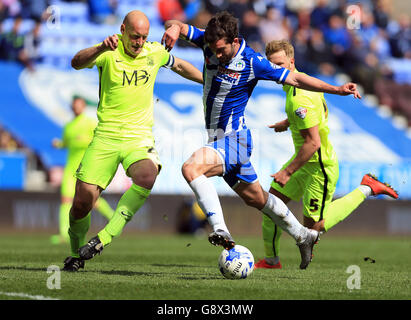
(366, 190)
(276, 209)
(209, 202)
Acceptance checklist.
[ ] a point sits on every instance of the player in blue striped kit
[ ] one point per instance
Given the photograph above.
(231, 71)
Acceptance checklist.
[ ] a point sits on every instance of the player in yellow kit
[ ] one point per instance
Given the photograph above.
(312, 172)
(77, 135)
(127, 66)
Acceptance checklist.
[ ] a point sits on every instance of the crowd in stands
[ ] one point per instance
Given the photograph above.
(328, 38)
(7, 142)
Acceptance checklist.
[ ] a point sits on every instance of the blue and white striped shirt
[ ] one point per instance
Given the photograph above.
(227, 88)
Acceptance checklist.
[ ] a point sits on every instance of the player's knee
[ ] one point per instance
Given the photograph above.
(189, 171)
(145, 180)
(80, 208)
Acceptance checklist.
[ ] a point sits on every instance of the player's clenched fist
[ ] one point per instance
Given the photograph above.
(111, 42)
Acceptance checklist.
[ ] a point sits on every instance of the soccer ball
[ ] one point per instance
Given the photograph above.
(236, 263)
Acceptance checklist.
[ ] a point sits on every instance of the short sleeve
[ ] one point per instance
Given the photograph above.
(305, 112)
(265, 70)
(195, 36)
(164, 57)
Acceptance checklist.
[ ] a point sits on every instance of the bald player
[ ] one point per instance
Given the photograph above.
(128, 66)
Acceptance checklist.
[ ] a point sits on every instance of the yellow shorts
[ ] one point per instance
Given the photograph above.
(315, 184)
(102, 157)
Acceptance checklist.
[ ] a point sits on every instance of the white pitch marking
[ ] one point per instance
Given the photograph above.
(25, 295)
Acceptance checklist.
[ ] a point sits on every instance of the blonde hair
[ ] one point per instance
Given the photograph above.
(278, 45)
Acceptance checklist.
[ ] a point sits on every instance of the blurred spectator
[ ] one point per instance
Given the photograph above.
(171, 10)
(249, 29)
(321, 15)
(33, 9)
(8, 8)
(401, 40)
(368, 30)
(297, 5)
(278, 4)
(4, 13)
(183, 10)
(381, 13)
(103, 11)
(274, 26)
(320, 54)
(191, 8)
(7, 142)
(337, 36)
(301, 51)
(12, 42)
(12, 45)
(380, 46)
(238, 8)
(214, 6)
(32, 44)
(303, 17)
(361, 64)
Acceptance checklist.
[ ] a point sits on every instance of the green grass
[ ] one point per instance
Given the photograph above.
(170, 267)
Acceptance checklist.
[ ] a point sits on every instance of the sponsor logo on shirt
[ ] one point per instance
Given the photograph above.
(150, 61)
(138, 77)
(301, 112)
(227, 75)
(237, 65)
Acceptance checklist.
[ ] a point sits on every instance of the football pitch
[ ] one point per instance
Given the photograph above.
(173, 267)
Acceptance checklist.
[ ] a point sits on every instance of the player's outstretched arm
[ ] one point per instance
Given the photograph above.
(187, 70)
(306, 82)
(85, 57)
(174, 30)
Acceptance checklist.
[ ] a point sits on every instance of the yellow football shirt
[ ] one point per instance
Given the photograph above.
(306, 109)
(126, 87)
(77, 135)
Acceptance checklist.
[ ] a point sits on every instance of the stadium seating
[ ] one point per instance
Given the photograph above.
(62, 38)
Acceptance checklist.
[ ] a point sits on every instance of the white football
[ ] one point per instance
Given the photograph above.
(236, 263)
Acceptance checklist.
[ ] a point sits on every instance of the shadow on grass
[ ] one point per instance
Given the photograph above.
(191, 277)
(127, 273)
(177, 265)
(22, 268)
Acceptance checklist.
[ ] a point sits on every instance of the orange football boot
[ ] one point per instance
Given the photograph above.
(262, 264)
(378, 187)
